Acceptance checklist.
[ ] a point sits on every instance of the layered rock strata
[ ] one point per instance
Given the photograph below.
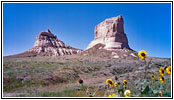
(48, 44)
(111, 33)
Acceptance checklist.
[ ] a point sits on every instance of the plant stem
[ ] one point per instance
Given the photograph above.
(145, 68)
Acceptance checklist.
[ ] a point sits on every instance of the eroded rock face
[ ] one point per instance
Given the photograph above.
(111, 33)
(48, 44)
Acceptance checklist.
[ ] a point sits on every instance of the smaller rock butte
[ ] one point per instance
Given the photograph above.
(111, 33)
(48, 44)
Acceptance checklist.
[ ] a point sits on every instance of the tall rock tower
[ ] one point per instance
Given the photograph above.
(111, 33)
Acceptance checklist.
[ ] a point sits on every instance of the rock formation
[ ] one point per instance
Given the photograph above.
(48, 44)
(111, 33)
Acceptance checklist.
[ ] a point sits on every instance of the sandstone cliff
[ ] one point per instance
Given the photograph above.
(49, 45)
(111, 33)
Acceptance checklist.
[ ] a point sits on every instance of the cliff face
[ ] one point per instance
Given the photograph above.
(111, 33)
(48, 44)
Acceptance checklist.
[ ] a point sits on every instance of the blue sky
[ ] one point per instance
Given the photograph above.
(147, 25)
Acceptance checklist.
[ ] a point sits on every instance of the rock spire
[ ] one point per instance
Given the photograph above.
(111, 33)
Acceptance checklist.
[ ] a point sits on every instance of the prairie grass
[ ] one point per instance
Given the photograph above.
(54, 78)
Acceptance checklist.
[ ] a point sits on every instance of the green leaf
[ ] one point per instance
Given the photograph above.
(146, 90)
(144, 80)
(120, 90)
(155, 91)
(167, 94)
(161, 87)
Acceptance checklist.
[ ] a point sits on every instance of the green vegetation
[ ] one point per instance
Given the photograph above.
(36, 77)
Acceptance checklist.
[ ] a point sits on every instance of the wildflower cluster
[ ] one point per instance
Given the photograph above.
(119, 88)
(153, 83)
(161, 75)
(147, 84)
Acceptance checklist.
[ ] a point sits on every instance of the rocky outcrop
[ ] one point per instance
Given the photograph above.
(49, 45)
(111, 33)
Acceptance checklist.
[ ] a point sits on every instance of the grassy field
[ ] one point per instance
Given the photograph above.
(58, 77)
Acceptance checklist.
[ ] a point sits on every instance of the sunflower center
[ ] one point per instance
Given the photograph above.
(169, 70)
(162, 71)
(127, 93)
(110, 82)
(125, 82)
(143, 54)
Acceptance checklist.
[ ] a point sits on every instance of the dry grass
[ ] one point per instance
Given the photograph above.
(57, 77)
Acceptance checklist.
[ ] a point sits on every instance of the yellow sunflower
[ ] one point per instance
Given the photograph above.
(109, 82)
(125, 82)
(115, 84)
(110, 96)
(152, 76)
(162, 71)
(127, 93)
(113, 95)
(142, 54)
(168, 69)
(162, 80)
